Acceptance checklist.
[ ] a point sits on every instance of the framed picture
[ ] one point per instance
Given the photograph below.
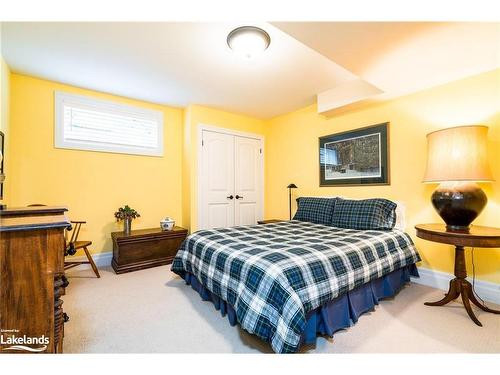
(355, 157)
(2, 154)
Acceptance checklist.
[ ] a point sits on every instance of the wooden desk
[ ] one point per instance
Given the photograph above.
(477, 236)
(145, 248)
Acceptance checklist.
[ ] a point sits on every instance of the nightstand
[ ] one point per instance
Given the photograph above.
(270, 221)
(476, 236)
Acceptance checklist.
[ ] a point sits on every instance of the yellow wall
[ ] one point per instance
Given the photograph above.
(91, 184)
(194, 116)
(94, 184)
(292, 156)
(4, 122)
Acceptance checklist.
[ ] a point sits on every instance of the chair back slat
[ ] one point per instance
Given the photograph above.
(75, 233)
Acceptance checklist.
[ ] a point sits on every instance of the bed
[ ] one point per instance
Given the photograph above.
(290, 281)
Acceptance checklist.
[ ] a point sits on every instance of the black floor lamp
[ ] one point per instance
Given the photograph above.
(290, 187)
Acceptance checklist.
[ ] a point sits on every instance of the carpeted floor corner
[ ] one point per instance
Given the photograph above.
(153, 311)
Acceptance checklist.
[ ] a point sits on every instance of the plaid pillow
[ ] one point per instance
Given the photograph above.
(377, 213)
(315, 210)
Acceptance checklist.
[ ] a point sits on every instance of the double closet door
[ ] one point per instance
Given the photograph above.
(230, 180)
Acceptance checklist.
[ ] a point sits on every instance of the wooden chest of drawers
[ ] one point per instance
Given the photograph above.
(32, 279)
(145, 248)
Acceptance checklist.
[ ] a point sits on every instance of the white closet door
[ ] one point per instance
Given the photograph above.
(217, 180)
(248, 181)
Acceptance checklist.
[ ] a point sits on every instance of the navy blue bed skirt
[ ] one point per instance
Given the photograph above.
(338, 314)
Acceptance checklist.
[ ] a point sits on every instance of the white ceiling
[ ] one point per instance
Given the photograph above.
(404, 57)
(172, 63)
(189, 63)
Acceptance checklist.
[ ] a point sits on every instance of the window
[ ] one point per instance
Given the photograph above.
(328, 156)
(85, 123)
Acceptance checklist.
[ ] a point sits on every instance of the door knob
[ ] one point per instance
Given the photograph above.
(230, 197)
(239, 197)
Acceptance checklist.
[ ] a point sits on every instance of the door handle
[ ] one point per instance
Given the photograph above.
(65, 281)
(230, 197)
(239, 197)
(70, 249)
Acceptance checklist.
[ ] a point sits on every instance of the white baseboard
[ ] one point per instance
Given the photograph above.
(488, 291)
(101, 260)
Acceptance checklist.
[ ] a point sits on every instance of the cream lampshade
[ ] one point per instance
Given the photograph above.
(458, 154)
(457, 157)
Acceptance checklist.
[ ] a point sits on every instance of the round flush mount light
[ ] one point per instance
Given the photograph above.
(248, 41)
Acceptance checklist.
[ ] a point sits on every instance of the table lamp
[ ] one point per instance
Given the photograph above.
(457, 159)
(290, 187)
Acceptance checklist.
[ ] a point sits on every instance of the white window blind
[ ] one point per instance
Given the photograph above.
(85, 123)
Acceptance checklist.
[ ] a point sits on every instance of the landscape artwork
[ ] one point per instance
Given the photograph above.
(355, 157)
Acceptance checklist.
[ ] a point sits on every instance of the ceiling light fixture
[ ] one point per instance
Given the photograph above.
(248, 41)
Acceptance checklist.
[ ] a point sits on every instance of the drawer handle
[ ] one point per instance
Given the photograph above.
(65, 281)
(65, 317)
(70, 249)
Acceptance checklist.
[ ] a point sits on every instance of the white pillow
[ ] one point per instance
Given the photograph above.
(400, 216)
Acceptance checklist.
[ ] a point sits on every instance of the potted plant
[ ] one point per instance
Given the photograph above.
(126, 214)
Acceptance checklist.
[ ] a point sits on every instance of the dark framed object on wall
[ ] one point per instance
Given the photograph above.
(355, 157)
(2, 155)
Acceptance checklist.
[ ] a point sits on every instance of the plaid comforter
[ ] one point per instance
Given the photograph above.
(274, 274)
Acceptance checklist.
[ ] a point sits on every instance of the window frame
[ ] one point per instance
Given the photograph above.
(61, 97)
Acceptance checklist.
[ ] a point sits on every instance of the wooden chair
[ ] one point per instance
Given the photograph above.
(73, 245)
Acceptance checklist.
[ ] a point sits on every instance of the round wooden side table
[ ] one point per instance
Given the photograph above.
(477, 236)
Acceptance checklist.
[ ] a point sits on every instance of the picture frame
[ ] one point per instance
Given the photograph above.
(2, 153)
(355, 157)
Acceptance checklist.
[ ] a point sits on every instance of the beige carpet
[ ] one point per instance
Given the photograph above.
(154, 311)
